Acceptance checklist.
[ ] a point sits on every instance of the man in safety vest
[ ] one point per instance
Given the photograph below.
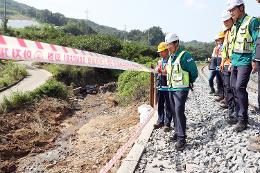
(164, 116)
(181, 74)
(255, 141)
(215, 67)
(225, 67)
(244, 34)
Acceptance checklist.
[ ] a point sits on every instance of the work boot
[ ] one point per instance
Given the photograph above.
(174, 138)
(167, 127)
(240, 126)
(158, 125)
(255, 139)
(231, 120)
(180, 145)
(254, 147)
(212, 91)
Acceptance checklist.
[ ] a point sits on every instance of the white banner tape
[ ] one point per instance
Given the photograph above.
(22, 49)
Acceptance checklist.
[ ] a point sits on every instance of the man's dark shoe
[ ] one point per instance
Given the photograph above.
(167, 127)
(217, 93)
(158, 125)
(180, 145)
(174, 138)
(240, 126)
(231, 120)
(212, 91)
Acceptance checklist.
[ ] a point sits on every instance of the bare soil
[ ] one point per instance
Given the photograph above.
(51, 137)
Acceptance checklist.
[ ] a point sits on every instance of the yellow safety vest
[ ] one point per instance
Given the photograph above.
(227, 45)
(242, 42)
(176, 76)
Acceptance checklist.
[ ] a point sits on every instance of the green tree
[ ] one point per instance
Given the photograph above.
(155, 35)
(135, 35)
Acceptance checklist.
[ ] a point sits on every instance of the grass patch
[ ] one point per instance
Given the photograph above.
(133, 86)
(51, 88)
(10, 73)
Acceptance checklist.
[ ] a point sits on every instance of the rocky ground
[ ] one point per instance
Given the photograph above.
(212, 146)
(50, 137)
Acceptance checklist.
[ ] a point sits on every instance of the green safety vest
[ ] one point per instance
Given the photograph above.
(242, 41)
(176, 76)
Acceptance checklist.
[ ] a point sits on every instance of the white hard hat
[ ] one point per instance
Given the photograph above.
(171, 37)
(225, 16)
(234, 3)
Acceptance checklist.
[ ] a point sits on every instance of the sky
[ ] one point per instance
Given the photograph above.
(190, 19)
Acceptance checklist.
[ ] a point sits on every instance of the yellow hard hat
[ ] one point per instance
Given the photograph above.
(221, 35)
(161, 47)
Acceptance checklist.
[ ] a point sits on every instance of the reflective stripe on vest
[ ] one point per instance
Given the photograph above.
(176, 76)
(227, 45)
(242, 40)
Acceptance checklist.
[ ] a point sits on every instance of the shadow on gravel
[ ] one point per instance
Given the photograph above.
(209, 133)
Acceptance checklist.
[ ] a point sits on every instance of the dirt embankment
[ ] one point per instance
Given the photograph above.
(50, 137)
(30, 130)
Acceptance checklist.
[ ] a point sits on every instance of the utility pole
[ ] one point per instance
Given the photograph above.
(86, 21)
(125, 34)
(5, 9)
(4, 20)
(148, 37)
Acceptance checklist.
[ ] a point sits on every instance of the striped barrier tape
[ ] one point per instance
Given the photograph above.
(128, 144)
(21, 49)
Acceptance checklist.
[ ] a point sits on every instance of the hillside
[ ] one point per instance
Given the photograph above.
(16, 10)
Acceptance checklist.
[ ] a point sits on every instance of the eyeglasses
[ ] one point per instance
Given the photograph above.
(233, 9)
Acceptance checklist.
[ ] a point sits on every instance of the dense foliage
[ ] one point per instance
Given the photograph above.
(199, 50)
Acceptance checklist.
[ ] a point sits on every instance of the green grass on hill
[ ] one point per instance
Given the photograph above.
(10, 73)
